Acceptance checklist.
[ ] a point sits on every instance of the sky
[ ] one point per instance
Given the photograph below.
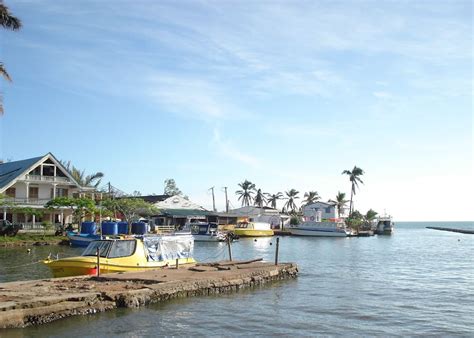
(286, 94)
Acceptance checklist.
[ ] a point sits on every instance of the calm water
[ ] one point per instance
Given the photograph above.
(415, 282)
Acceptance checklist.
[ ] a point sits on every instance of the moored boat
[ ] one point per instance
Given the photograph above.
(206, 232)
(253, 229)
(320, 229)
(81, 240)
(126, 253)
(384, 225)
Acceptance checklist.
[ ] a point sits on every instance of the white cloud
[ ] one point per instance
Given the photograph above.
(229, 150)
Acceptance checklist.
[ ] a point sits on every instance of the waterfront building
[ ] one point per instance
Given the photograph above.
(323, 210)
(31, 183)
(177, 211)
(261, 214)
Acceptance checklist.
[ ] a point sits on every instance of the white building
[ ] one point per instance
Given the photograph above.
(319, 211)
(263, 214)
(30, 184)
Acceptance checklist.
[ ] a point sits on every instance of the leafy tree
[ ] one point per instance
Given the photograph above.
(171, 188)
(290, 205)
(355, 219)
(248, 189)
(7, 21)
(260, 198)
(370, 215)
(131, 208)
(310, 197)
(354, 177)
(273, 198)
(80, 207)
(92, 180)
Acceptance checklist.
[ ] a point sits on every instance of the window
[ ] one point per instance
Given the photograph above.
(48, 170)
(61, 192)
(36, 171)
(11, 192)
(328, 210)
(103, 247)
(122, 249)
(33, 192)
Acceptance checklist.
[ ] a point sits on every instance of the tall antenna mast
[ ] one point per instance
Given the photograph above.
(213, 199)
(226, 201)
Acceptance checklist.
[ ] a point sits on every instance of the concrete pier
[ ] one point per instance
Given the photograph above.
(41, 301)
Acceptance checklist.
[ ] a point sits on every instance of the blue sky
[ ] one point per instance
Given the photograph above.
(286, 94)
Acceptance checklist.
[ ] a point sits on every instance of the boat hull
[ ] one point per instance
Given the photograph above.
(253, 233)
(77, 266)
(317, 233)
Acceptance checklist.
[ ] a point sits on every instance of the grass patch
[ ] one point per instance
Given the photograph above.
(31, 238)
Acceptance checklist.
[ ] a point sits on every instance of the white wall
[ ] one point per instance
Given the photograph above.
(312, 209)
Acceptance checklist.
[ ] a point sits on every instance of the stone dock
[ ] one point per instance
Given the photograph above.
(41, 301)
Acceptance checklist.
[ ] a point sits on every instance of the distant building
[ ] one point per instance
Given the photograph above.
(176, 211)
(260, 214)
(321, 210)
(33, 182)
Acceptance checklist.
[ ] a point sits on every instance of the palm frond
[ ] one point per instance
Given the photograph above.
(7, 20)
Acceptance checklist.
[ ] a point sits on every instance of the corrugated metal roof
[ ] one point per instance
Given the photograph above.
(11, 170)
(185, 212)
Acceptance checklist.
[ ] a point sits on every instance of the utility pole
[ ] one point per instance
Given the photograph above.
(213, 199)
(226, 201)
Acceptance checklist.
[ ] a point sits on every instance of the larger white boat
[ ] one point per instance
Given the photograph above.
(320, 229)
(384, 225)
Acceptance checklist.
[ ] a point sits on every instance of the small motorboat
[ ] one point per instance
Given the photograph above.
(206, 232)
(81, 240)
(126, 253)
(253, 229)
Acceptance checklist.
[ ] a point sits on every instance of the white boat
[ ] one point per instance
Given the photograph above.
(206, 232)
(384, 225)
(320, 229)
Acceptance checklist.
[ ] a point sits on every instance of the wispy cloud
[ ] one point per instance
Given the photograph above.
(227, 149)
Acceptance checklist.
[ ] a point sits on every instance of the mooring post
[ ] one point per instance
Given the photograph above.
(276, 250)
(177, 263)
(98, 262)
(228, 246)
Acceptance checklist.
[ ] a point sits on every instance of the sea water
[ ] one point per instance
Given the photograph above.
(414, 282)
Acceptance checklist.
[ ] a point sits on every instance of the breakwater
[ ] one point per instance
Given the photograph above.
(461, 231)
(41, 301)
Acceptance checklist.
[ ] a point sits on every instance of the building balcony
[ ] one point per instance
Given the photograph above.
(11, 202)
(51, 179)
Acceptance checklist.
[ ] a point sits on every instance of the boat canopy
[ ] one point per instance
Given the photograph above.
(160, 248)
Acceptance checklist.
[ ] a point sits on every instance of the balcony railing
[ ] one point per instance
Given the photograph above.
(39, 178)
(26, 201)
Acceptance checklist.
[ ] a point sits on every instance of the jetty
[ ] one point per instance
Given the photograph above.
(26, 303)
(462, 231)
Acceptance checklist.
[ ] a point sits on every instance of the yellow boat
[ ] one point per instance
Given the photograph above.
(126, 254)
(253, 229)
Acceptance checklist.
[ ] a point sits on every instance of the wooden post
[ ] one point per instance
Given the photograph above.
(228, 246)
(276, 250)
(98, 262)
(177, 263)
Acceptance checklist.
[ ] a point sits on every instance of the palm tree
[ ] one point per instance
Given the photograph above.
(246, 193)
(340, 202)
(370, 215)
(290, 205)
(8, 21)
(273, 198)
(310, 197)
(260, 198)
(355, 179)
(92, 180)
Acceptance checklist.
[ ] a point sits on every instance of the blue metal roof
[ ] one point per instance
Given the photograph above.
(11, 170)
